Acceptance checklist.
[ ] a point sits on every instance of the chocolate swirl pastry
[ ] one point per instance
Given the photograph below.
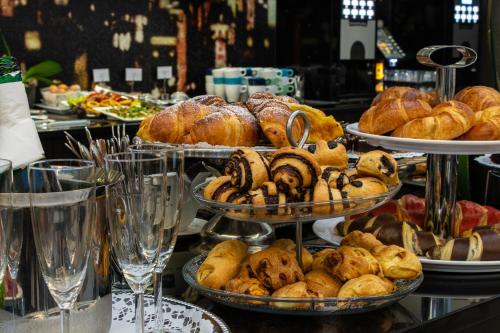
(365, 223)
(329, 153)
(248, 169)
(380, 164)
(294, 168)
(268, 194)
(322, 194)
(363, 187)
(334, 177)
(275, 267)
(221, 189)
(402, 234)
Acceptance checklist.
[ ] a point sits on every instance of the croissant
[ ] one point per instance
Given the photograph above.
(388, 115)
(232, 125)
(488, 130)
(209, 100)
(478, 97)
(258, 98)
(450, 120)
(406, 93)
(322, 127)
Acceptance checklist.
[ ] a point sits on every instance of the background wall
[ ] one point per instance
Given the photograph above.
(189, 35)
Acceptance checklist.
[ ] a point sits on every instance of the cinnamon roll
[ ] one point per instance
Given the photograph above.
(322, 194)
(334, 177)
(329, 153)
(248, 169)
(293, 168)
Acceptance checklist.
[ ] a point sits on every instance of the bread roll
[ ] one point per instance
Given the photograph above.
(478, 97)
(390, 114)
(449, 121)
(397, 263)
(222, 264)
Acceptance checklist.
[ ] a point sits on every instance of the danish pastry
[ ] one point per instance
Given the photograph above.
(361, 239)
(297, 289)
(329, 153)
(397, 263)
(378, 163)
(275, 267)
(323, 283)
(293, 168)
(289, 246)
(366, 285)
(322, 194)
(248, 169)
(247, 286)
(334, 177)
(221, 264)
(365, 186)
(352, 262)
(325, 259)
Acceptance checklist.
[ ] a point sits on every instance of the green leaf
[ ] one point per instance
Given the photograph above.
(44, 69)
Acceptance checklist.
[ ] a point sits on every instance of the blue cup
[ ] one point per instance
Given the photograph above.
(286, 72)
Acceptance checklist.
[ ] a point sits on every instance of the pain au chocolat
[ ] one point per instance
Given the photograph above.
(378, 163)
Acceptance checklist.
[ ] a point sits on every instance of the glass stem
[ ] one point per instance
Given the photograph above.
(14, 300)
(64, 321)
(139, 312)
(158, 296)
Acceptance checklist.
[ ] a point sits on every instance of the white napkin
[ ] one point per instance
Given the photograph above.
(19, 141)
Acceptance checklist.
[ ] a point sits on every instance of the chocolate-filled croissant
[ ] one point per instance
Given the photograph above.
(248, 169)
(293, 168)
(334, 177)
(329, 153)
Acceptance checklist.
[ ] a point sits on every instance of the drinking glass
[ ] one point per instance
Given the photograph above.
(5, 211)
(136, 197)
(173, 201)
(62, 199)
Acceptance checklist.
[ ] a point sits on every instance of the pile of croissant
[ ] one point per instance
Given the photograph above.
(363, 266)
(319, 175)
(210, 119)
(473, 114)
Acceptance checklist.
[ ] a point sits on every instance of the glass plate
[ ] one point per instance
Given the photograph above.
(297, 306)
(292, 212)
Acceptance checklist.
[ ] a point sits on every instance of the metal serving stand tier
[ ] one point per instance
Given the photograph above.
(442, 158)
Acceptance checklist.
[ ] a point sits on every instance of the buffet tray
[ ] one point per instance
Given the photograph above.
(294, 305)
(325, 229)
(292, 212)
(457, 147)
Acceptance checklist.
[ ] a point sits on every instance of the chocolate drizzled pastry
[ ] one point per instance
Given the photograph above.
(363, 187)
(380, 164)
(265, 195)
(293, 168)
(248, 169)
(329, 153)
(334, 177)
(322, 195)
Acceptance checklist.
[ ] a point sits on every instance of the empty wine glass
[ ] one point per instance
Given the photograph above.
(136, 197)
(5, 210)
(175, 190)
(62, 199)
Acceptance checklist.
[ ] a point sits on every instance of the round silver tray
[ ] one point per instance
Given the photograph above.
(292, 212)
(486, 161)
(457, 147)
(294, 305)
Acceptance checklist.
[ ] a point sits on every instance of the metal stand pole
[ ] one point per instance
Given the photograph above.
(298, 242)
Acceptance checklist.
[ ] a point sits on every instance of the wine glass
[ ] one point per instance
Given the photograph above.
(5, 211)
(136, 196)
(62, 199)
(175, 190)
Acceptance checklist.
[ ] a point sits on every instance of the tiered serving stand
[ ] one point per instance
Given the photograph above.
(297, 213)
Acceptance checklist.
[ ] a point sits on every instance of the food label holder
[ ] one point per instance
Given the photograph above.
(442, 169)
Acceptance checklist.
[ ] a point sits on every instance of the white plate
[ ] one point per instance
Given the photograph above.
(193, 228)
(107, 112)
(487, 162)
(326, 230)
(427, 146)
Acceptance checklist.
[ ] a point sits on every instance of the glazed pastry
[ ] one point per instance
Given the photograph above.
(378, 163)
(406, 93)
(352, 262)
(486, 131)
(329, 153)
(361, 239)
(397, 263)
(275, 267)
(335, 178)
(247, 286)
(478, 97)
(248, 169)
(365, 186)
(366, 285)
(365, 223)
(448, 121)
(322, 283)
(293, 168)
(289, 246)
(391, 114)
(322, 194)
(298, 290)
(325, 260)
(221, 189)
(222, 264)
(268, 194)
